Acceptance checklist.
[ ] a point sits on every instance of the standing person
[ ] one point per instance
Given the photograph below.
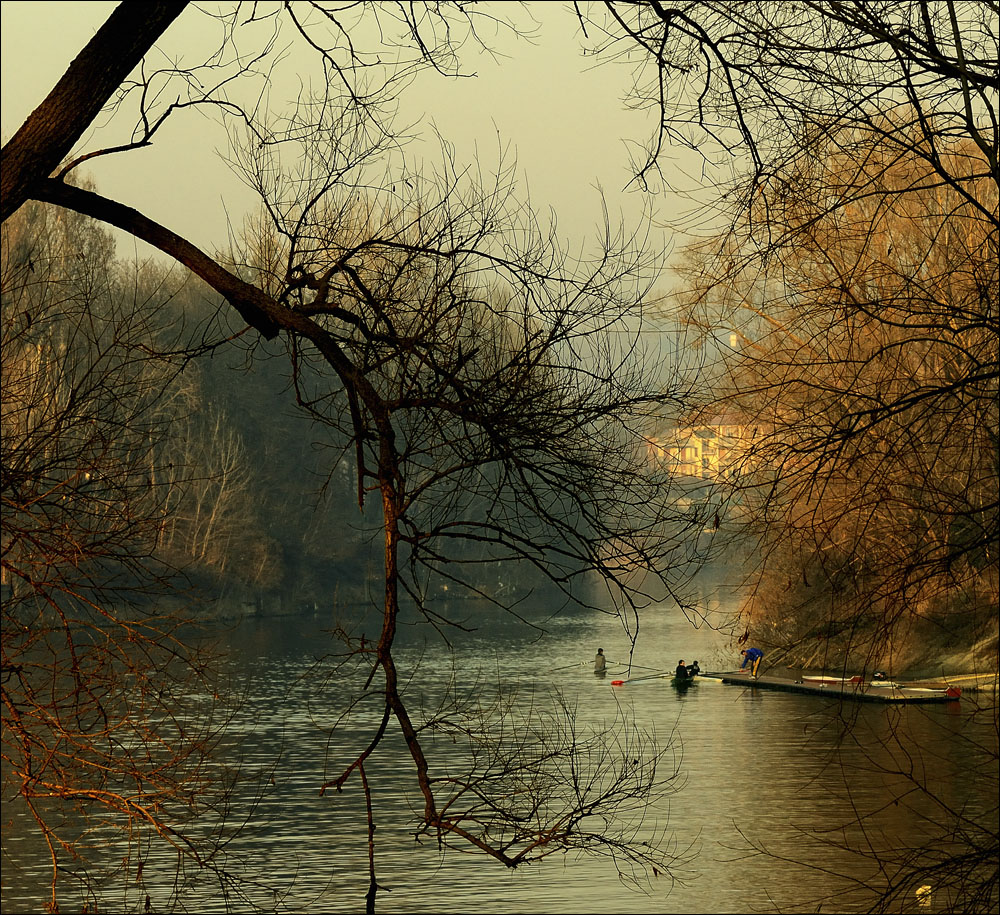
(752, 657)
(600, 662)
(681, 673)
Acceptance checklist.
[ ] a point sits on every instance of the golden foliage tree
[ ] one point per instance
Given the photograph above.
(862, 293)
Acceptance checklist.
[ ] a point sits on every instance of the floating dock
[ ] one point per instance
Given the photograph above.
(844, 690)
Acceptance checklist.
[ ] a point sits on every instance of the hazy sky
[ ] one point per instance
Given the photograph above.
(565, 121)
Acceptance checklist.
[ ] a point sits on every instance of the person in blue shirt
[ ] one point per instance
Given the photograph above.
(752, 657)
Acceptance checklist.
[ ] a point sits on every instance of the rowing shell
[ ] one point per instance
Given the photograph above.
(697, 678)
(831, 681)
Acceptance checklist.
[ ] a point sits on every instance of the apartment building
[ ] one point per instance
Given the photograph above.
(708, 450)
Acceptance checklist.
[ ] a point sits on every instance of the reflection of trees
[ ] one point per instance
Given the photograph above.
(893, 846)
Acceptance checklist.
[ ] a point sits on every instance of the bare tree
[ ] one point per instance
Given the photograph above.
(212, 509)
(492, 388)
(108, 708)
(753, 85)
(868, 365)
(495, 400)
(856, 146)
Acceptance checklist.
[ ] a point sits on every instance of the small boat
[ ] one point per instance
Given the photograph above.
(858, 683)
(830, 681)
(666, 675)
(851, 688)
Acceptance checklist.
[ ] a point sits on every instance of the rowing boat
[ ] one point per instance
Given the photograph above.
(697, 678)
(831, 681)
(858, 683)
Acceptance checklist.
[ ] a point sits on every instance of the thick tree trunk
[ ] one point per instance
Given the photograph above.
(51, 130)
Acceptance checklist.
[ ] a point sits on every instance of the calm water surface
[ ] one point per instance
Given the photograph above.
(770, 786)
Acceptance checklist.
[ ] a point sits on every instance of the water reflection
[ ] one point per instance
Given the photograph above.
(781, 801)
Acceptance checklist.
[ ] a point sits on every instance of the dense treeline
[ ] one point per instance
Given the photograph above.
(245, 500)
(106, 413)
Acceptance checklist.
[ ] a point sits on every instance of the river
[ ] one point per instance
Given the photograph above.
(781, 802)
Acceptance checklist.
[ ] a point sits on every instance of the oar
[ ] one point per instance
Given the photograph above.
(554, 670)
(566, 667)
(658, 676)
